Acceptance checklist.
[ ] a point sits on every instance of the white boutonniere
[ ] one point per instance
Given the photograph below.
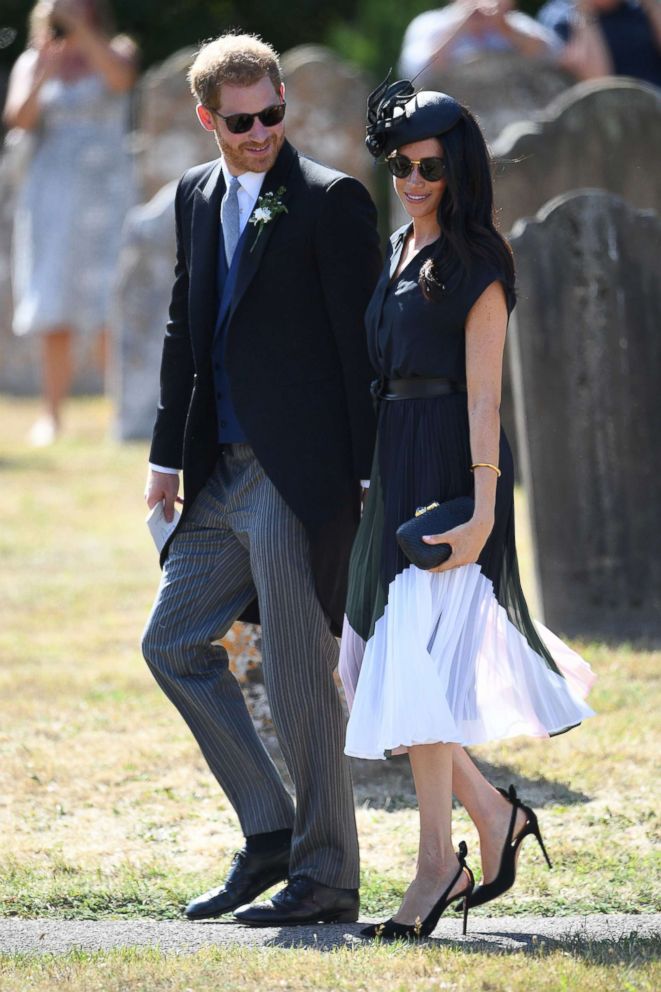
(268, 207)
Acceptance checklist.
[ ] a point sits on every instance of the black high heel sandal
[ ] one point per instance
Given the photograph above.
(389, 930)
(504, 880)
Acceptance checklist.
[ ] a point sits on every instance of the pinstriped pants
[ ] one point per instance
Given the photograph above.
(240, 537)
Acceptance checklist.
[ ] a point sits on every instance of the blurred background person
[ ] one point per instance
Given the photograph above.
(466, 29)
(607, 37)
(70, 89)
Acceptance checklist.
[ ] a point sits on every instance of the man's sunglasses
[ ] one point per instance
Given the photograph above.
(240, 123)
(431, 169)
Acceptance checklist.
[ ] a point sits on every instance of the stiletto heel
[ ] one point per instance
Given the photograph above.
(390, 930)
(538, 835)
(506, 875)
(465, 915)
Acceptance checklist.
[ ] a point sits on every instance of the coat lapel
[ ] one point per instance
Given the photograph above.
(203, 289)
(397, 250)
(254, 245)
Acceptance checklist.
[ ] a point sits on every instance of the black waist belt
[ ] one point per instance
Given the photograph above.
(415, 389)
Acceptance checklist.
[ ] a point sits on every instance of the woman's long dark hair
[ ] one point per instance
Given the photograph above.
(466, 211)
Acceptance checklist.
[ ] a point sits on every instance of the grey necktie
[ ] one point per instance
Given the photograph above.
(229, 218)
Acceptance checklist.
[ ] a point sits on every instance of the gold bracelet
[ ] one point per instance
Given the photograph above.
(487, 465)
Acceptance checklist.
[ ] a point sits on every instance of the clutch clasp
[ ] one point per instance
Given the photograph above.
(423, 509)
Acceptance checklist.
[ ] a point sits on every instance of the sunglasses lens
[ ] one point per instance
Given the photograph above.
(272, 115)
(432, 169)
(239, 123)
(400, 166)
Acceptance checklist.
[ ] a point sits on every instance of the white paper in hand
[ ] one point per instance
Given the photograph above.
(159, 528)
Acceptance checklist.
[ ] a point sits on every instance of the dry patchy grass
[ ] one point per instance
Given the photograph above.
(364, 969)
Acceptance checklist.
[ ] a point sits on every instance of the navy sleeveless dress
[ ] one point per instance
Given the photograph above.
(452, 656)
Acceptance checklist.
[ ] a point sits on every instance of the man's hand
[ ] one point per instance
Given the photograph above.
(162, 487)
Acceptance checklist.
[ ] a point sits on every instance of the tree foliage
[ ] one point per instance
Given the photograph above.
(162, 26)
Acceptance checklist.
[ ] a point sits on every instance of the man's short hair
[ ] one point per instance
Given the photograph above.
(239, 59)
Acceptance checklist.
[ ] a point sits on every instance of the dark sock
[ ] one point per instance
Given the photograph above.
(274, 840)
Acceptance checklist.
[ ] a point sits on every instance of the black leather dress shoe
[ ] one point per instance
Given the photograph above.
(303, 901)
(250, 875)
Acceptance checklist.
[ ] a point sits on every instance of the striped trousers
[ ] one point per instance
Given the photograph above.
(240, 537)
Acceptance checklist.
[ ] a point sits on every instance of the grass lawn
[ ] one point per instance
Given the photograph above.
(366, 969)
(107, 809)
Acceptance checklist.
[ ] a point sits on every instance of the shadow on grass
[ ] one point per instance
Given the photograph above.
(390, 786)
(630, 949)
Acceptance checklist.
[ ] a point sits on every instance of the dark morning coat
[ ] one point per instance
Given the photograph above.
(295, 351)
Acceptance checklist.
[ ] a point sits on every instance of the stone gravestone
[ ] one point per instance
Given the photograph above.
(603, 134)
(499, 87)
(168, 139)
(586, 355)
(326, 104)
(140, 312)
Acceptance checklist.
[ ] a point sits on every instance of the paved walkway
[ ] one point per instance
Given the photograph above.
(505, 933)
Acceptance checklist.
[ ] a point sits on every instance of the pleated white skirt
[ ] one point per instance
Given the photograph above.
(445, 664)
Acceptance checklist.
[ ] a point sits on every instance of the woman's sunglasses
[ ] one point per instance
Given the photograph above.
(431, 169)
(240, 123)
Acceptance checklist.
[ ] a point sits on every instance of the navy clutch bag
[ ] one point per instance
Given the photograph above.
(437, 518)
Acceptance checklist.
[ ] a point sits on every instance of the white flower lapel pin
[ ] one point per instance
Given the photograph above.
(268, 207)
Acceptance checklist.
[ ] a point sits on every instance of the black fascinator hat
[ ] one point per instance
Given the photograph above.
(397, 115)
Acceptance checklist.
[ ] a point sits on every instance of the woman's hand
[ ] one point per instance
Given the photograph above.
(466, 542)
(67, 14)
(48, 60)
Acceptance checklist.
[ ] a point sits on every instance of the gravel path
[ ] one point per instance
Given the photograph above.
(509, 933)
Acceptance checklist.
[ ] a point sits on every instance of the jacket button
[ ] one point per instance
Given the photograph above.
(223, 423)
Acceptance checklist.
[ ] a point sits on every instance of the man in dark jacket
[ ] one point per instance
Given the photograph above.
(265, 405)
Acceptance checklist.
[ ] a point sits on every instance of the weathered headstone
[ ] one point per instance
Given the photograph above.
(499, 87)
(326, 101)
(140, 312)
(586, 353)
(603, 134)
(168, 139)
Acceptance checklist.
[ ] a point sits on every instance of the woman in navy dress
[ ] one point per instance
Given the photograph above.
(434, 661)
